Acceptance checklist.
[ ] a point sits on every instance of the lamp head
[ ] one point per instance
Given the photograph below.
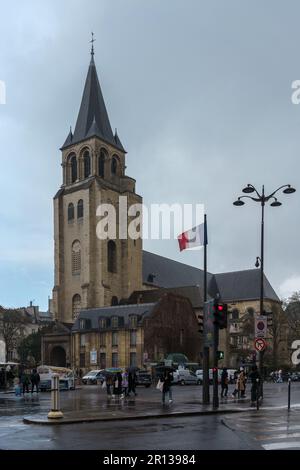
(257, 262)
(248, 189)
(276, 204)
(289, 190)
(238, 203)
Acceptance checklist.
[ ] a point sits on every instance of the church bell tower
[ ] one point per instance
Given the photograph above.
(92, 272)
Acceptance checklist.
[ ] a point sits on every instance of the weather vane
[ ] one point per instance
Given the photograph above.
(92, 41)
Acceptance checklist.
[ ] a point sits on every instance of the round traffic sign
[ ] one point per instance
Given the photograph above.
(260, 344)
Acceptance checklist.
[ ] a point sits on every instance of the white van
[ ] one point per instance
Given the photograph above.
(66, 377)
(185, 376)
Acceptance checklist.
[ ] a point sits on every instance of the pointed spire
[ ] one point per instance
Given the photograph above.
(118, 142)
(93, 119)
(69, 139)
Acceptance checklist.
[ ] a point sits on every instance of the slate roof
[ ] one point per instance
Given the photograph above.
(92, 119)
(170, 273)
(193, 293)
(232, 286)
(123, 311)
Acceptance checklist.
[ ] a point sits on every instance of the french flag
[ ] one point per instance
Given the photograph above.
(197, 236)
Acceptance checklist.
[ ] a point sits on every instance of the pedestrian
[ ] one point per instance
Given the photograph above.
(118, 385)
(224, 383)
(167, 380)
(255, 387)
(109, 384)
(240, 384)
(132, 382)
(35, 380)
(25, 382)
(279, 380)
(125, 383)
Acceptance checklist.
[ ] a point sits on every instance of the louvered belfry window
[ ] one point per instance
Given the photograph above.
(76, 257)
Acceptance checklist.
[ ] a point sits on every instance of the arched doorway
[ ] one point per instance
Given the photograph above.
(58, 357)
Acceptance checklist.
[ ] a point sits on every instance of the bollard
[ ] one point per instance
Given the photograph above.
(257, 394)
(289, 395)
(55, 411)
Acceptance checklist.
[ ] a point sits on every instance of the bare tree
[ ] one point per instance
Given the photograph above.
(12, 328)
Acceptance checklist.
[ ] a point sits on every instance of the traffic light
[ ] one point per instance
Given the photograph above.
(200, 324)
(220, 355)
(220, 314)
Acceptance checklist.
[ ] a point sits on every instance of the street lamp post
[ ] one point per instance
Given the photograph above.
(262, 199)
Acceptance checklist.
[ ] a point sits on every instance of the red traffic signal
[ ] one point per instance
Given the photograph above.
(220, 314)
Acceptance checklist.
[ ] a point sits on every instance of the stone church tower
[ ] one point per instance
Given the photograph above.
(90, 272)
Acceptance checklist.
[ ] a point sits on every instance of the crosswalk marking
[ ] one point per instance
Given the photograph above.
(282, 445)
(271, 431)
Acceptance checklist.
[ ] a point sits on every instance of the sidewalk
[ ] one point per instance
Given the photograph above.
(131, 410)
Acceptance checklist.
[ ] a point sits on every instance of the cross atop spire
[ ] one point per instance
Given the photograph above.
(92, 41)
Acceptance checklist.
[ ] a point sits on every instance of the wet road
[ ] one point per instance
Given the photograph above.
(238, 431)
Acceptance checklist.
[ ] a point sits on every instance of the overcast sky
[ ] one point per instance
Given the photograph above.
(200, 92)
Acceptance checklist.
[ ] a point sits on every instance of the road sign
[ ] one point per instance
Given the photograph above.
(261, 326)
(260, 344)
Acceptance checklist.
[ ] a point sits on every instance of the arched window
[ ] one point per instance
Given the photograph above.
(114, 166)
(86, 164)
(73, 165)
(76, 257)
(76, 306)
(80, 209)
(111, 257)
(70, 211)
(114, 300)
(101, 162)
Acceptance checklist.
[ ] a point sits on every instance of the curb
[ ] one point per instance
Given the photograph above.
(61, 421)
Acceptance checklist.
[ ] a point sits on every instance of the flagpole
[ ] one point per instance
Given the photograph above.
(205, 388)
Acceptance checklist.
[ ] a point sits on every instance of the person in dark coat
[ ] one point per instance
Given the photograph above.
(255, 378)
(118, 385)
(167, 380)
(132, 382)
(224, 383)
(35, 380)
(24, 379)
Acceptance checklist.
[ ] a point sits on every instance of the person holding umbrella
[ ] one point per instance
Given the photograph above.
(167, 380)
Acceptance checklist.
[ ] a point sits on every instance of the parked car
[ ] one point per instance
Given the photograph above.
(144, 378)
(93, 376)
(185, 376)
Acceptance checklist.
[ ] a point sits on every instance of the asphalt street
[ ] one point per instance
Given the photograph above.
(272, 427)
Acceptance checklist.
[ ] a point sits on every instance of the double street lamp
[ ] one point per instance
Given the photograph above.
(262, 198)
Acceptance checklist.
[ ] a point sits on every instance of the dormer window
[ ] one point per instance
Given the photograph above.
(133, 321)
(102, 323)
(114, 322)
(151, 277)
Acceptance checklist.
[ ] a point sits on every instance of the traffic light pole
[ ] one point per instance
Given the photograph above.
(205, 365)
(215, 367)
